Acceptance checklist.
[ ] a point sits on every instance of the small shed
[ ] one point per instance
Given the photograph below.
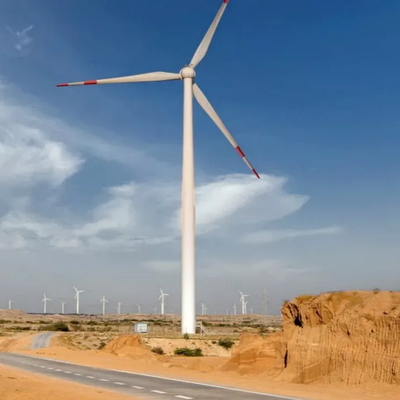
(141, 327)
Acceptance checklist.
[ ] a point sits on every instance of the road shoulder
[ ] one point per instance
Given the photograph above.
(21, 385)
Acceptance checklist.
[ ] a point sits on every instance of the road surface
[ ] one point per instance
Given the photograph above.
(42, 340)
(138, 385)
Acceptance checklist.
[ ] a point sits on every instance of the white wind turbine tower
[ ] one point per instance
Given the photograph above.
(44, 301)
(187, 75)
(104, 301)
(119, 308)
(242, 298)
(203, 306)
(234, 309)
(245, 307)
(9, 304)
(162, 298)
(77, 298)
(139, 307)
(63, 303)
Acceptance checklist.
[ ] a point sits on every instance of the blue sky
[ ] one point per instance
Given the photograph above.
(309, 89)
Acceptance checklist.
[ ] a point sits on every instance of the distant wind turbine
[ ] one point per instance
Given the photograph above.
(139, 308)
(245, 307)
(77, 298)
(190, 88)
(63, 303)
(162, 298)
(242, 300)
(234, 309)
(44, 301)
(119, 308)
(9, 304)
(104, 301)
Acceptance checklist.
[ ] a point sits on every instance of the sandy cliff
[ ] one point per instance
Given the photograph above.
(348, 337)
(343, 337)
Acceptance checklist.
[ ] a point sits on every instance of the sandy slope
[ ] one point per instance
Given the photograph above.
(17, 385)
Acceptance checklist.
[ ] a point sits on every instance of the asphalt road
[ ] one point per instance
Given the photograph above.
(138, 385)
(42, 340)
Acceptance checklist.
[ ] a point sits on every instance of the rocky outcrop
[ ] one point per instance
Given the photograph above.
(348, 337)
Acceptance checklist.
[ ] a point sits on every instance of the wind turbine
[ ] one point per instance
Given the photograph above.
(44, 301)
(234, 309)
(245, 307)
(162, 301)
(9, 304)
(77, 298)
(119, 308)
(242, 298)
(187, 75)
(104, 301)
(139, 308)
(202, 308)
(63, 303)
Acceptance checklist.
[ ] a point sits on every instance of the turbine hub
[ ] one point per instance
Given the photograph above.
(187, 72)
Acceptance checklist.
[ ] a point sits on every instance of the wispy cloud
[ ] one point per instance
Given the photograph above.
(20, 39)
(270, 236)
(21, 112)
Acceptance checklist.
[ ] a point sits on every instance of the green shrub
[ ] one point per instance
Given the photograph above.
(185, 351)
(226, 343)
(20, 328)
(158, 350)
(186, 336)
(57, 326)
(101, 345)
(74, 322)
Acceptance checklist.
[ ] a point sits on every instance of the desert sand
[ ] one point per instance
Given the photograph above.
(17, 385)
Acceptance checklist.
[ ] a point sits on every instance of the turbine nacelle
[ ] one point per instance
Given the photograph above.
(187, 72)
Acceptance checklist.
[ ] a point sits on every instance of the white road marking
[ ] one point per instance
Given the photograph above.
(59, 370)
(67, 372)
(232, 389)
(119, 383)
(184, 397)
(42, 366)
(138, 387)
(104, 380)
(158, 391)
(78, 374)
(90, 377)
(50, 368)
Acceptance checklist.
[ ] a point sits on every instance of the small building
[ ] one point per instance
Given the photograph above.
(141, 327)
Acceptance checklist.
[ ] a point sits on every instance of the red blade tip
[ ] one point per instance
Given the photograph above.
(62, 84)
(256, 174)
(226, 1)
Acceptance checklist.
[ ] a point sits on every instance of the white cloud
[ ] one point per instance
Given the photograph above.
(20, 112)
(29, 156)
(270, 236)
(145, 214)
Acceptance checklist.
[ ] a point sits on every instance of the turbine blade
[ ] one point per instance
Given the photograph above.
(149, 77)
(205, 43)
(208, 108)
